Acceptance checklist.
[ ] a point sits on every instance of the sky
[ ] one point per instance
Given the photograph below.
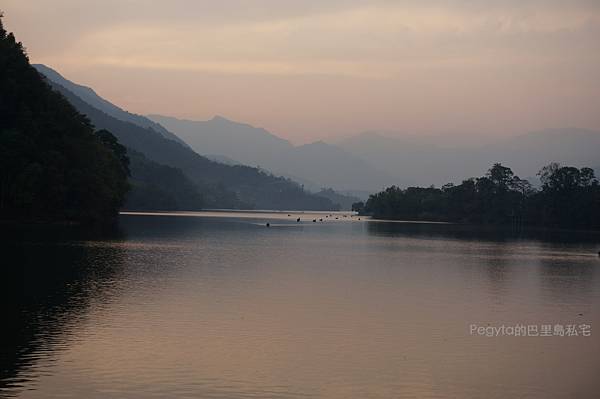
(317, 69)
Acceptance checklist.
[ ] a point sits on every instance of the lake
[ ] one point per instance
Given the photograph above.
(218, 305)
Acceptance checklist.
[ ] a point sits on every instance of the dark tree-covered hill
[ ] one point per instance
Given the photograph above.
(160, 187)
(53, 166)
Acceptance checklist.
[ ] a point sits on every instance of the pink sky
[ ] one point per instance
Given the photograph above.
(310, 69)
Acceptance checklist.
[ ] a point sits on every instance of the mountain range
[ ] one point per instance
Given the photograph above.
(316, 165)
(416, 161)
(184, 173)
(356, 165)
(88, 95)
(369, 161)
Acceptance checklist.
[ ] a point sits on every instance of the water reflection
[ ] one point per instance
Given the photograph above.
(46, 284)
(482, 233)
(222, 306)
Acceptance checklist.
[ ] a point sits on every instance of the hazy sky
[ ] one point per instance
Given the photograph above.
(310, 69)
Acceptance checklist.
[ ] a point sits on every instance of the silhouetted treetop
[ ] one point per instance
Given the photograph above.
(569, 197)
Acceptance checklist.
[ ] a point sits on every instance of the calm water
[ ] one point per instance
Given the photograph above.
(217, 305)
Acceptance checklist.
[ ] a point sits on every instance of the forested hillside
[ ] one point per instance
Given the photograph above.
(160, 187)
(53, 166)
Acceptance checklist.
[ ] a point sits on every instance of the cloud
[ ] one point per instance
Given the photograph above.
(361, 41)
(325, 67)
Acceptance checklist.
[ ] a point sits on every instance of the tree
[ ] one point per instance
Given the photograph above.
(522, 186)
(547, 174)
(587, 177)
(500, 176)
(570, 198)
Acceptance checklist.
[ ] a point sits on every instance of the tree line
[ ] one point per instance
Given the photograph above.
(568, 198)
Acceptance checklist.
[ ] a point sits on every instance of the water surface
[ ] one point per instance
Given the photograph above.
(217, 305)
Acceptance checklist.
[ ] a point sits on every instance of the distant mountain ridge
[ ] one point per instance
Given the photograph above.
(345, 201)
(220, 136)
(369, 161)
(419, 162)
(221, 186)
(88, 95)
(317, 164)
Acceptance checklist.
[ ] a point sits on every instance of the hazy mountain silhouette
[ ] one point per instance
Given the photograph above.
(364, 162)
(411, 161)
(345, 201)
(527, 153)
(89, 96)
(222, 137)
(415, 161)
(331, 166)
(223, 159)
(222, 186)
(316, 165)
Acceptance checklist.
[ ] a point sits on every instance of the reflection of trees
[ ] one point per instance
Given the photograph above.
(478, 232)
(423, 230)
(567, 263)
(489, 246)
(568, 276)
(44, 288)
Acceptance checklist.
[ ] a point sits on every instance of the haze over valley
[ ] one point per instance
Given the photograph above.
(355, 165)
(371, 161)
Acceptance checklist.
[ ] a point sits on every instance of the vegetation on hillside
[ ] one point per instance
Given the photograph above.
(160, 187)
(53, 166)
(568, 198)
